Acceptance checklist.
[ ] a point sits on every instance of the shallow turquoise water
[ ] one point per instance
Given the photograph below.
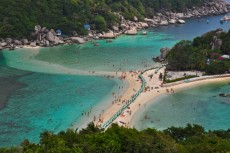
(54, 98)
(123, 54)
(50, 102)
(199, 105)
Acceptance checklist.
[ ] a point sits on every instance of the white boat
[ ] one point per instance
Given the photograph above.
(225, 18)
(144, 33)
(181, 21)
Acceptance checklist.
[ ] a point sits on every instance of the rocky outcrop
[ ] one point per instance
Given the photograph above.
(132, 31)
(108, 35)
(3, 44)
(144, 24)
(25, 41)
(17, 42)
(216, 43)
(164, 51)
(42, 36)
(77, 40)
(172, 21)
(115, 28)
(33, 44)
(8, 40)
(163, 22)
(50, 37)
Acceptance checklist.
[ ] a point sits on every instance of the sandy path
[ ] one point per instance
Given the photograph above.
(134, 85)
(150, 95)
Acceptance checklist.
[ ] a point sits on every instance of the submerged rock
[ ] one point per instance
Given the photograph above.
(224, 95)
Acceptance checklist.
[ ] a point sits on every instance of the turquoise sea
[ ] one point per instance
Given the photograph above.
(48, 89)
(198, 105)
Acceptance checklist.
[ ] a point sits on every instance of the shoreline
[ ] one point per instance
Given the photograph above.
(102, 105)
(179, 88)
(148, 96)
(155, 22)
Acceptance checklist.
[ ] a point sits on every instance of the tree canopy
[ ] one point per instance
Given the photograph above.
(18, 17)
(192, 138)
(199, 54)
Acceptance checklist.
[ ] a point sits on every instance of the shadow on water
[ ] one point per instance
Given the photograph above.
(8, 81)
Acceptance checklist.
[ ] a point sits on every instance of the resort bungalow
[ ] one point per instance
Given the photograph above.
(58, 32)
(87, 26)
(225, 56)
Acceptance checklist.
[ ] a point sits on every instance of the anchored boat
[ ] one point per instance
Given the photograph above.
(225, 18)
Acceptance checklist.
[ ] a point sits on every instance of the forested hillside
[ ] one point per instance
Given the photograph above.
(192, 138)
(18, 17)
(209, 52)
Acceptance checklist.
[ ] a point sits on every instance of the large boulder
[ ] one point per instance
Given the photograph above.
(33, 44)
(3, 44)
(115, 28)
(8, 40)
(53, 32)
(164, 51)
(46, 43)
(25, 41)
(57, 40)
(144, 24)
(17, 42)
(50, 36)
(37, 28)
(132, 31)
(180, 15)
(151, 21)
(43, 29)
(163, 22)
(172, 21)
(216, 43)
(108, 35)
(78, 40)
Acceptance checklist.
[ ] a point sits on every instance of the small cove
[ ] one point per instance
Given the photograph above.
(52, 97)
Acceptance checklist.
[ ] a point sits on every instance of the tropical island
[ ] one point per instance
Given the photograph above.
(67, 22)
(203, 60)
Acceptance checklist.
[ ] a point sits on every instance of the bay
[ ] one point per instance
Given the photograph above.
(44, 89)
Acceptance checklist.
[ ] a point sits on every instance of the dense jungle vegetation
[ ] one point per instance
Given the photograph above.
(18, 17)
(192, 138)
(203, 53)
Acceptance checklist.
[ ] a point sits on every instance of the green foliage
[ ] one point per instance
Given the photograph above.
(192, 138)
(179, 79)
(100, 23)
(18, 18)
(190, 55)
(216, 68)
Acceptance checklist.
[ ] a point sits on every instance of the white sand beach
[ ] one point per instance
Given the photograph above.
(154, 89)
